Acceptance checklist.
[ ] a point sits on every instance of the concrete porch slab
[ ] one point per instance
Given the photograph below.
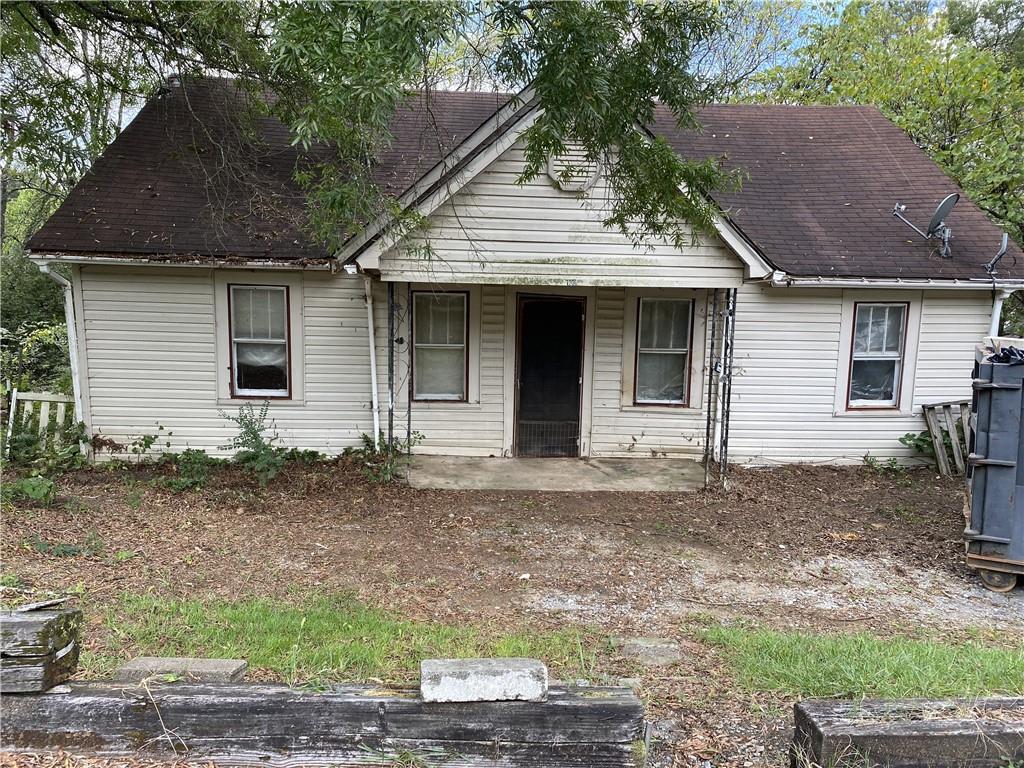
(466, 473)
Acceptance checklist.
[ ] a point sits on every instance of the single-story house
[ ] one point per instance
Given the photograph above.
(810, 326)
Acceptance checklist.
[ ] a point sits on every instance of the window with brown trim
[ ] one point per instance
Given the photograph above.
(259, 335)
(440, 345)
(876, 357)
(663, 330)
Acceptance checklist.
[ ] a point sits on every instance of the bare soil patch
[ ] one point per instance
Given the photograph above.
(817, 548)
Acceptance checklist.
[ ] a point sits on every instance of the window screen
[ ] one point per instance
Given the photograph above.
(663, 350)
(439, 346)
(877, 361)
(259, 340)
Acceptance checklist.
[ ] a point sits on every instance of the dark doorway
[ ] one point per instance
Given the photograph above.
(549, 376)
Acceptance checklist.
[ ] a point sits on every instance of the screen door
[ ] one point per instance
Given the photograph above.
(549, 376)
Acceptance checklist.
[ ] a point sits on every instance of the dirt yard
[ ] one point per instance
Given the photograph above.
(815, 548)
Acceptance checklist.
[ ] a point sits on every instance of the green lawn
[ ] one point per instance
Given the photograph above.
(861, 665)
(322, 638)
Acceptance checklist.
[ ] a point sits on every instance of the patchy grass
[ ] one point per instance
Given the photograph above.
(861, 665)
(322, 639)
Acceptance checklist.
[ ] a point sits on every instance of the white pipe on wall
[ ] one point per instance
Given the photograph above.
(997, 312)
(69, 320)
(368, 285)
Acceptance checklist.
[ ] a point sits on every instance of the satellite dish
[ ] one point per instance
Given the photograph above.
(991, 266)
(937, 223)
(937, 226)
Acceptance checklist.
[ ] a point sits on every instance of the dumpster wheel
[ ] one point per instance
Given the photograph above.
(998, 581)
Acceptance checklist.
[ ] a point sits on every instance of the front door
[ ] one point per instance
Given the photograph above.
(549, 375)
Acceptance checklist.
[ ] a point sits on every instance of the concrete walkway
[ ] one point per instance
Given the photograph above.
(488, 474)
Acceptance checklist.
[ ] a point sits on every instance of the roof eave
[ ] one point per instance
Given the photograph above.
(180, 260)
(779, 279)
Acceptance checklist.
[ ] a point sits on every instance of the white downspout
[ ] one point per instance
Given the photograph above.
(997, 312)
(69, 320)
(368, 284)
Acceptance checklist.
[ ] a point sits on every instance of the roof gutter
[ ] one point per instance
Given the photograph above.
(782, 280)
(40, 259)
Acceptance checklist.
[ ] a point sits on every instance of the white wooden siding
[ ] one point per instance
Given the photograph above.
(149, 338)
(626, 430)
(787, 362)
(483, 426)
(150, 344)
(496, 231)
(472, 428)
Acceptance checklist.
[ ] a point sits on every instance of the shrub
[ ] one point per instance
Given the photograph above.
(254, 450)
(193, 466)
(61, 452)
(380, 462)
(921, 442)
(35, 488)
(35, 356)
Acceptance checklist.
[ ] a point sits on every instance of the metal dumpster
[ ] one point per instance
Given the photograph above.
(995, 532)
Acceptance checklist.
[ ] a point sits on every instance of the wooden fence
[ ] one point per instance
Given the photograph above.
(43, 414)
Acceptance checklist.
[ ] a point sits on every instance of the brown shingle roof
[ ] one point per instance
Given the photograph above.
(817, 200)
(820, 188)
(163, 188)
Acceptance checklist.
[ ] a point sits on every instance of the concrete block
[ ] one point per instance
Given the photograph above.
(483, 680)
(649, 651)
(185, 670)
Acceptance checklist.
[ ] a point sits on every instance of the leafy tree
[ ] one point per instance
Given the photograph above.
(995, 25)
(72, 74)
(751, 38)
(341, 68)
(28, 295)
(955, 100)
(1013, 315)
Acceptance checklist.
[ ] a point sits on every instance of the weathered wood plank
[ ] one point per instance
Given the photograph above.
(983, 733)
(44, 423)
(954, 439)
(575, 727)
(48, 397)
(937, 443)
(38, 649)
(13, 409)
(33, 674)
(37, 633)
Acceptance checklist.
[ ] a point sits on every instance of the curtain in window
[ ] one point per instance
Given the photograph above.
(259, 330)
(877, 353)
(663, 340)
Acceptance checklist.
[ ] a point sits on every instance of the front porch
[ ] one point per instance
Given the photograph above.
(554, 474)
(530, 371)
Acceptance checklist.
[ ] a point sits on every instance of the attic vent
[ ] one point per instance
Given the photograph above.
(582, 173)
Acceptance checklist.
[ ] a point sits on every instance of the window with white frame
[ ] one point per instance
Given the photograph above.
(876, 364)
(439, 345)
(259, 340)
(663, 351)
